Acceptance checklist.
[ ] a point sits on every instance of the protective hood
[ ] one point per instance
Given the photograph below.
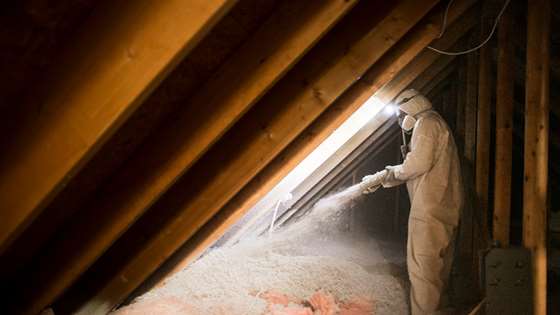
(412, 102)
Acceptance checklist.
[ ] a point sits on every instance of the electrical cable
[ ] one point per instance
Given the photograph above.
(444, 22)
(449, 53)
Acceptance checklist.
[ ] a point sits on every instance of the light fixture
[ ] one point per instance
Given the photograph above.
(390, 109)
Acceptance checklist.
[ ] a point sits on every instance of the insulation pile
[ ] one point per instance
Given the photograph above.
(307, 268)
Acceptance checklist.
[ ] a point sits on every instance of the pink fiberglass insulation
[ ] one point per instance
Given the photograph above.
(319, 303)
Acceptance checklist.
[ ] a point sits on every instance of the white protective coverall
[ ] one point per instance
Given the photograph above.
(432, 173)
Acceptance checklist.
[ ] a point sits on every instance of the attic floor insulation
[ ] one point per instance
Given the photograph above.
(314, 266)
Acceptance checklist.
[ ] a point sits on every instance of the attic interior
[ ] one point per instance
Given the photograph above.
(150, 149)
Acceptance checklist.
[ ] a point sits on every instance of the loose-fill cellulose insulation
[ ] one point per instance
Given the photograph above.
(313, 266)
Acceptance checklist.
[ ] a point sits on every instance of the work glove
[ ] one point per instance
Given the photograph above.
(371, 183)
(390, 179)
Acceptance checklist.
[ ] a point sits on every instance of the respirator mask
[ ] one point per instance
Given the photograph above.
(406, 122)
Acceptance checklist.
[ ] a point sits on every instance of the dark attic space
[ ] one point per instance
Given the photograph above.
(266, 157)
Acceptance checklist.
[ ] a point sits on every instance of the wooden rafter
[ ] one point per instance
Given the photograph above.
(108, 73)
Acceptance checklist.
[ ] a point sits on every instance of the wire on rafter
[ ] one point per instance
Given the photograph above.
(450, 53)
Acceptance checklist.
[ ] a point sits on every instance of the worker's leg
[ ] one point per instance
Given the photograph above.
(429, 259)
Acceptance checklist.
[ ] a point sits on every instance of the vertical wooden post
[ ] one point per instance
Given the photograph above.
(536, 144)
(482, 165)
(470, 107)
(504, 122)
(461, 104)
(467, 248)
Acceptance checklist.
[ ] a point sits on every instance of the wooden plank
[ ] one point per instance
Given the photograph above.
(504, 125)
(292, 105)
(482, 165)
(110, 70)
(382, 72)
(250, 72)
(536, 145)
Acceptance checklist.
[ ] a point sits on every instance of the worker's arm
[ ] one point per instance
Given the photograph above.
(421, 157)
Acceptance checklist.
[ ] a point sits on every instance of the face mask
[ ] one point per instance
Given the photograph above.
(408, 123)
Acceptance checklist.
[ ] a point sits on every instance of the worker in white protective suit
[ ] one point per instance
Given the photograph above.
(432, 174)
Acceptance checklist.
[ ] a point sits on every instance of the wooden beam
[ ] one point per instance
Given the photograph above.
(536, 145)
(243, 79)
(385, 70)
(504, 124)
(109, 72)
(280, 116)
(482, 165)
